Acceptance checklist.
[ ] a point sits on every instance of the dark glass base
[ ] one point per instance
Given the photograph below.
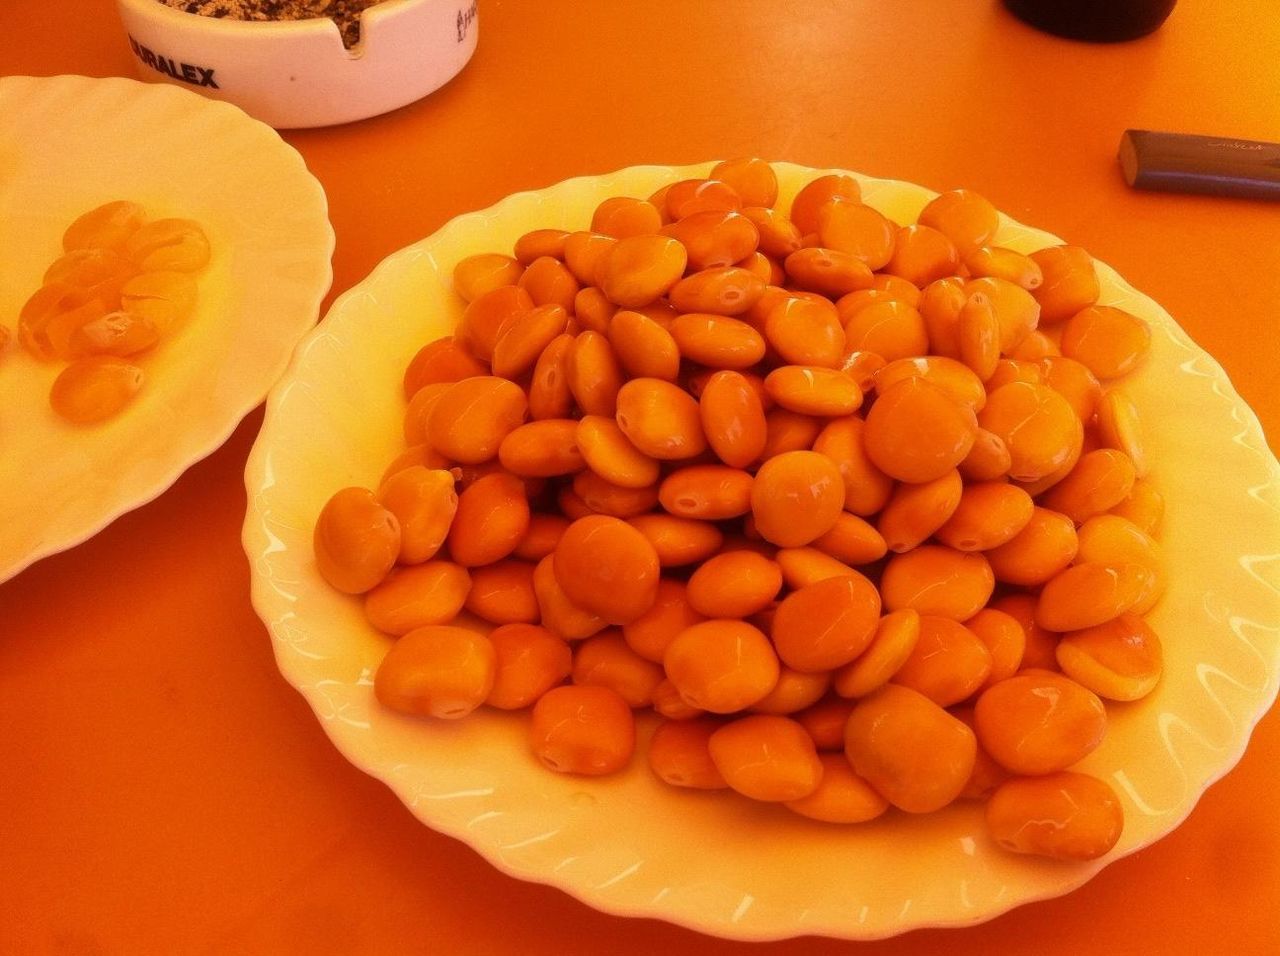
(1098, 21)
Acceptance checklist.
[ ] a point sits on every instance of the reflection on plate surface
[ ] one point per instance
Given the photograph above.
(70, 143)
(630, 845)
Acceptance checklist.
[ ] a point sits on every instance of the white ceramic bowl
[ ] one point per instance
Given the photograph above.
(297, 73)
(628, 844)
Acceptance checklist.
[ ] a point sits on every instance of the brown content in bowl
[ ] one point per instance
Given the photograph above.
(345, 13)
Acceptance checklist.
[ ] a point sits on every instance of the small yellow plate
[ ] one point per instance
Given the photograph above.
(70, 143)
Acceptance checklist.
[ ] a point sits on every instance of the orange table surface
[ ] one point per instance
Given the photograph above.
(163, 790)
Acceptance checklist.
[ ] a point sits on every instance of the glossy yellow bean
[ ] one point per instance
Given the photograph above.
(810, 390)
(108, 226)
(916, 432)
(805, 332)
(766, 757)
(1090, 593)
(607, 567)
(413, 597)
(968, 219)
(639, 269)
(436, 671)
(857, 229)
(423, 502)
(1039, 722)
(356, 541)
(473, 416)
(936, 580)
(796, 497)
(915, 754)
(988, 515)
(529, 661)
(679, 754)
(721, 666)
(826, 625)
(707, 492)
(91, 390)
(815, 194)
(1122, 659)
(717, 341)
(1070, 282)
(917, 511)
(582, 730)
(752, 179)
(1063, 816)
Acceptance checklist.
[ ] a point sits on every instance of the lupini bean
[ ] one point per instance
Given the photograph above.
(437, 671)
(721, 666)
(805, 332)
(661, 419)
(93, 389)
(608, 568)
(804, 566)
(916, 432)
(841, 796)
(796, 497)
(733, 418)
(922, 254)
(915, 754)
(1119, 660)
(638, 270)
(424, 502)
(915, 512)
(502, 593)
(669, 615)
(485, 316)
(528, 661)
(937, 580)
(894, 640)
(605, 660)
(1039, 722)
(794, 691)
(679, 754)
(827, 624)
(707, 492)
(734, 584)
(1063, 816)
(491, 518)
(413, 597)
(1070, 282)
(965, 217)
(752, 179)
(766, 757)
(988, 515)
(470, 419)
(948, 664)
(356, 541)
(892, 329)
(582, 730)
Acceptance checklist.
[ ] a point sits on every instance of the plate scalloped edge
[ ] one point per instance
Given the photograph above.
(308, 284)
(721, 910)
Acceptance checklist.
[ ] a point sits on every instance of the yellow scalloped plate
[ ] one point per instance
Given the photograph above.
(70, 143)
(629, 845)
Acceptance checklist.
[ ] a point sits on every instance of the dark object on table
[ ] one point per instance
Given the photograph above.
(1104, 21)
(1219, 166)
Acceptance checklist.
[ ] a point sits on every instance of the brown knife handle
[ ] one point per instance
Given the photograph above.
(1216, 165)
